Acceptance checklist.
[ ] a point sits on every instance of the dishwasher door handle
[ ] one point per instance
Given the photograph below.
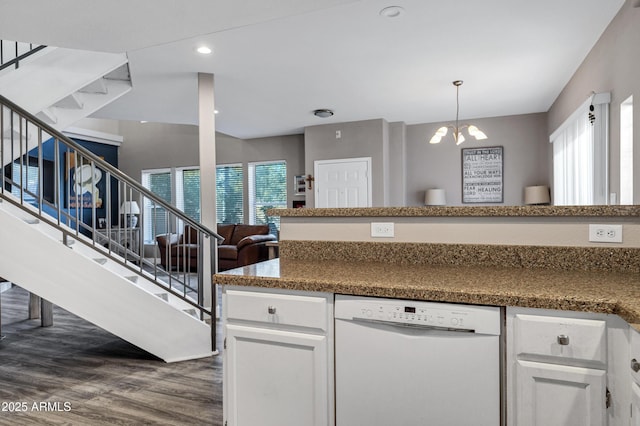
(411, 325)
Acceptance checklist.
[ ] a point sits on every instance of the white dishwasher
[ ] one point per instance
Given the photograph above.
(408, 363)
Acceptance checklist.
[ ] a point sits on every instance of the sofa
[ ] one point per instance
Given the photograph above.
(242, 245)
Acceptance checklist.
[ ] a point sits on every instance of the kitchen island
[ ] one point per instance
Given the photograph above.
(572, 290)
(571, 307)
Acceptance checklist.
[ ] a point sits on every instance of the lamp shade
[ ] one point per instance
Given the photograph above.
(537, 195)
(435, 197)
(130, 207)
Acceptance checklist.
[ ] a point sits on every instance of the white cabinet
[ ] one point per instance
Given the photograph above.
(559, 395)
(556, 369)
(278, 358)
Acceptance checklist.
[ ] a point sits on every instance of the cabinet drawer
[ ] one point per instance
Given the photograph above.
(564, 338)
(282, 309)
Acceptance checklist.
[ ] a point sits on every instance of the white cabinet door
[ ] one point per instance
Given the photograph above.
(275, 377)
(559, 395)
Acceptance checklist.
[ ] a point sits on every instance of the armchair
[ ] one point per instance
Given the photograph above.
(242, 245)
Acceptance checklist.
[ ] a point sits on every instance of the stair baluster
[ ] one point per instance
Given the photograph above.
(28, 144)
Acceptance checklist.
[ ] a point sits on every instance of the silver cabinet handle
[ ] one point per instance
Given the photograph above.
(635, 365)
(271, 310)
(563, 339)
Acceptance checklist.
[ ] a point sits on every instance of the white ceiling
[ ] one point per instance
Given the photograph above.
(275, 61)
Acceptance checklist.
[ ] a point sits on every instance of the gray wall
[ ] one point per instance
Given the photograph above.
(403, 162)
(397, 176)
(525, 142)
(289, 148)
(359, 139)
(157, 145)
(611, 66)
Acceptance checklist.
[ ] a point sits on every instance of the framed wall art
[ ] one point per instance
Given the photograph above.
(86, 186)
(482, 175)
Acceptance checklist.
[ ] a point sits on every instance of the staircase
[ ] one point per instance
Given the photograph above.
(61, 86)
(54, 250)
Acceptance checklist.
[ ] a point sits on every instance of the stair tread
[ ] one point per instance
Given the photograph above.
(191, 311)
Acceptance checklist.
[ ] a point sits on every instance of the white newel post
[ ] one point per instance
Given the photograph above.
(207, 145)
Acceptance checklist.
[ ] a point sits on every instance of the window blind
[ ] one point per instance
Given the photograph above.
(158, 182)
(188, 192)
(229, 190)
(267, 190)
(580, 154)
(626, 151)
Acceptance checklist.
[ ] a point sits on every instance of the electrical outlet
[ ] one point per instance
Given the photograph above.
(605, 233)
(382, 229)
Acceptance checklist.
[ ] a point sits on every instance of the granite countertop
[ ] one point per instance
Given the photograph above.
(584, 291)
(465, 211)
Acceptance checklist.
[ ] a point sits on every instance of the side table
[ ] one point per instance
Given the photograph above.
(273, 247)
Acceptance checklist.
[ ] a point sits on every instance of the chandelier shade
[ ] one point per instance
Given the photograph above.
(456, 129)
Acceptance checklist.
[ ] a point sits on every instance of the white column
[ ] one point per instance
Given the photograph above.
(207, 136)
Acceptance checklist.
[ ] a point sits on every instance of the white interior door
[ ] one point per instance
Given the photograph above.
(343, 183)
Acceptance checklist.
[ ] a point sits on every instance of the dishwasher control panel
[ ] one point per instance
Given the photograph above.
(484, 319)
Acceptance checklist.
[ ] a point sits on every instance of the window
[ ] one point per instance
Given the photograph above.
(580, 155)
(188, 192)
(229, 191)
(626, 151)
(28, 183)
(267, 190)
(156, 218)
(179, 187)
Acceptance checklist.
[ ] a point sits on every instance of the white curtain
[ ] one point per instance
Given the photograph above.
(580, 155)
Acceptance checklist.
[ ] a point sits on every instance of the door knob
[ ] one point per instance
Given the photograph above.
(635, 365)
(271, 310)
(563, 339)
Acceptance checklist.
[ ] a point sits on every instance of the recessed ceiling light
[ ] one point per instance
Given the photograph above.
(215, 111)
(392, 11)
(204, 50)
(323, 113)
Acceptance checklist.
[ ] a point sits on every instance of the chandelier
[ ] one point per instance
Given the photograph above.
(457, 134)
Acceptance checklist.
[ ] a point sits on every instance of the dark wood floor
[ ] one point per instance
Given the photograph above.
(91, 377)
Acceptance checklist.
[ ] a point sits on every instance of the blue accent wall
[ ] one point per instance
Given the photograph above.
(109, 153)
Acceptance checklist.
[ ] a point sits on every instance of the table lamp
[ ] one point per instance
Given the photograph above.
(130, 209)
(537, 195)
(435, 197)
